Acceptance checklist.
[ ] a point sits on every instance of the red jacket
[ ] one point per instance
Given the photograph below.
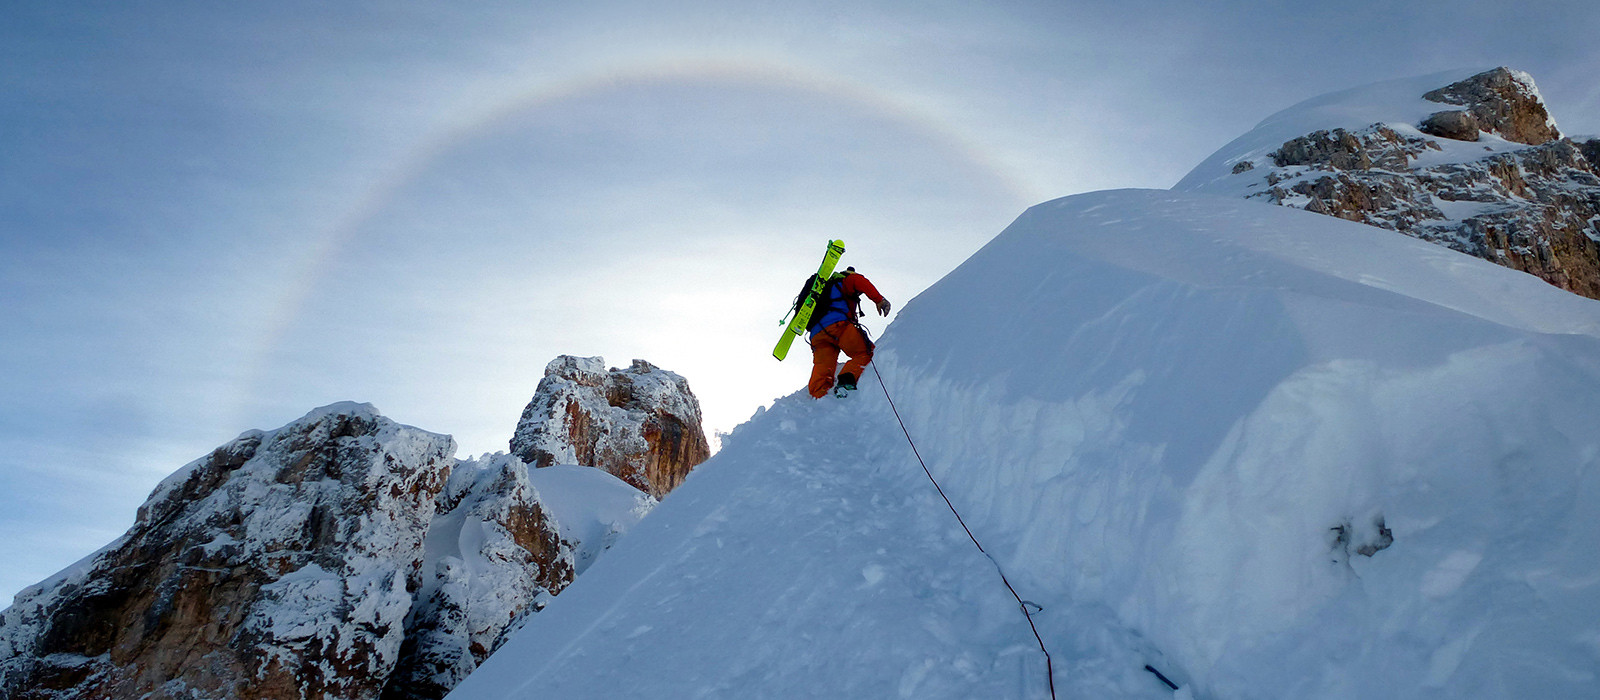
(847, 305)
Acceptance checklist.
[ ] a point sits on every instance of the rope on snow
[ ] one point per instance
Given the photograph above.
(1026, 612)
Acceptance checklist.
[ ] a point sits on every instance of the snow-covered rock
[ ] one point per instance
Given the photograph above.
(276, 567)
(340, 556)
(1270, 453)
(591, 508)
(641, 424)
(496, 551)
(1491, 178)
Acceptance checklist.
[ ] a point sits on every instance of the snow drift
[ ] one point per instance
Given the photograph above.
(1273, 454)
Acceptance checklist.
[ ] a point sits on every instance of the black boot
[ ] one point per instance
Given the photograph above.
(847, 381)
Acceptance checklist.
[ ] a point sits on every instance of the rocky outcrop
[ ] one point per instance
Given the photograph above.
(1379, 147)
(1453, 124)
(341, 556)
(1502, 101)
(1521, 196)
(641, 424)
(470, 598)
(276, 567)
(1591, 153)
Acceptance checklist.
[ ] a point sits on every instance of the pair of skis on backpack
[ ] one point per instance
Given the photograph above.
(805, 305)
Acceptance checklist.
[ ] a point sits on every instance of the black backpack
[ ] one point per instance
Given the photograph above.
(829, 295)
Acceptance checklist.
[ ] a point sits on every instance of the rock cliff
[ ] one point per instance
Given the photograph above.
(1476, 165)
(641, 424)
(340, 556)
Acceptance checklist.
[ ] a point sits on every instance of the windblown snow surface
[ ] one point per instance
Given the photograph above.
(1271, 453)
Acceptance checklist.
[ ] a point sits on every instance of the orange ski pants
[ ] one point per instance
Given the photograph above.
(825, 347)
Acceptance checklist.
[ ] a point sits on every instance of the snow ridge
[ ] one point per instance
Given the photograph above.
(1271, 453)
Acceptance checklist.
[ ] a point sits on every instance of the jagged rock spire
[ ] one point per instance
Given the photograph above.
(641, 424)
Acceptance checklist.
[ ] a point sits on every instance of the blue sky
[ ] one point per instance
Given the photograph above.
(215, 217)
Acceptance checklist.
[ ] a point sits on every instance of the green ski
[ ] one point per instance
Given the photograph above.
(803, 315)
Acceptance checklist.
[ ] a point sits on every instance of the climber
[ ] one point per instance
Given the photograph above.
(836, 329)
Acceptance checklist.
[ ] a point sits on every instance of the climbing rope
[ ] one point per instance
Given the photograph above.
(1050, 672)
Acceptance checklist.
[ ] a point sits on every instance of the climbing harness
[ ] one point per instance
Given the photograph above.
(1050, 671)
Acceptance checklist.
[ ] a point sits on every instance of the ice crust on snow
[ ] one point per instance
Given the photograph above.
(1272, 453)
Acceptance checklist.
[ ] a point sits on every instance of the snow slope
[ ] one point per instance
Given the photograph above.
(1272, 453)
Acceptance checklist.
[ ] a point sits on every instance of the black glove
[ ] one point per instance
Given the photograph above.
(883, 308)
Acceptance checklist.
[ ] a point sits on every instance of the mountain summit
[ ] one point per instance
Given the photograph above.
(1474, 163)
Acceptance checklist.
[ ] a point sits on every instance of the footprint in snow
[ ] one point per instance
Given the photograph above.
(913, 677)
(873, 573)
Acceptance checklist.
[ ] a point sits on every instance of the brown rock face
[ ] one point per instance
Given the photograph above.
(641, 424)
(1502, 101)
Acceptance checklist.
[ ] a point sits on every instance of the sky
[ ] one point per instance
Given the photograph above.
(217, 216)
